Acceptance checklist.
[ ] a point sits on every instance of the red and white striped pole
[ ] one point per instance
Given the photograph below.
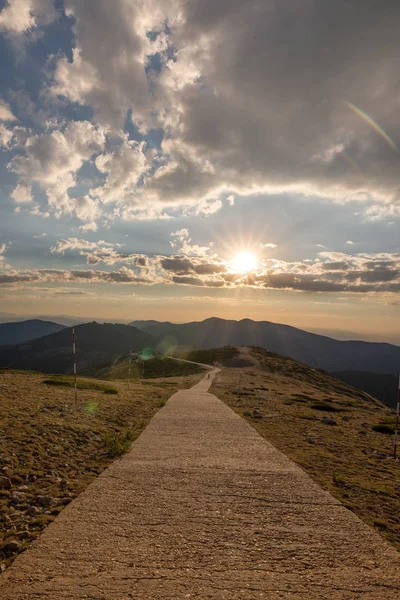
(74, 356)
(396, 430)
(129, 369)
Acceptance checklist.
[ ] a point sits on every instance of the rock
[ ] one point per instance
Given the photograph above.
(256, 414)
(33, 511)
(11, 547)
(5, 483)
(23, 488)
(328, 421)
(345, 418)
(45, 501)
(18, 498)
(23, 535)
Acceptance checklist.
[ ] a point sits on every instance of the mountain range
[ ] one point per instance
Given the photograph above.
(314, 350)
(369, 366)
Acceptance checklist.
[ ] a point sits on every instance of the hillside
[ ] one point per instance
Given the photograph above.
(51, 449)
(383, 387)
(341, 436)
(97, 346)
(315, 350)
(23, 331)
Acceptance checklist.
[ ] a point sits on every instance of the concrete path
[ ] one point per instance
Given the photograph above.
(203, 507)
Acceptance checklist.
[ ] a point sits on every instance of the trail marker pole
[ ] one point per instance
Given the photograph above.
(74, 357)
(129, 369)
(396, 434)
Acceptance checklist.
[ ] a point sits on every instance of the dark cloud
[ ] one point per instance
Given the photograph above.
(177, 265)
(335, 266)
(188, 280)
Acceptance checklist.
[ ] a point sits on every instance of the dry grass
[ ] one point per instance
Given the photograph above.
(352, 460)
(53, 448)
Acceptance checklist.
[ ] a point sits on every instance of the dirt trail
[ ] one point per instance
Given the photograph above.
(203, 507)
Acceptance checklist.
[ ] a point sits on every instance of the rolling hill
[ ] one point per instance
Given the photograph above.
(23, 331)
(97, 346)
(315, 350)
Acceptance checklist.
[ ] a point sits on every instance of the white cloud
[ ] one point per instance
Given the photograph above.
(123, 167)
(6, 136)
(92, 226)
(111, 76)
(350, 242)
(270, 245)
(22, 194)
(181, 242)
(20, 16)
(52, 160)
(6, 112)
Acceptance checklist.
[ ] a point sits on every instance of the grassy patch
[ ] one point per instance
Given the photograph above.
(383, 428)
(117, 445)
(154, 368)
(82, 384)
(324, 406)
(208, 357)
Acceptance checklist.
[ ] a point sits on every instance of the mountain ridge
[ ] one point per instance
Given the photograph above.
(315, 350)
(96, 345)
(16, 332)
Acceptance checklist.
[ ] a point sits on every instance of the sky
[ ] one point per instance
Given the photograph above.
(177, 160)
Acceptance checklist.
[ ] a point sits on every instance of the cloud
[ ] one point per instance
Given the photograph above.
(92, 226)
(239, 122)
(3, 248)
(181, 241)
(6, 136)
(52, 160)
(5, 111)
(261, 116)
(111, 76)
(330, 272)
(20, 16)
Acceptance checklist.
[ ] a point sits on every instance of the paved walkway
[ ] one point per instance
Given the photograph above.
(203, 507)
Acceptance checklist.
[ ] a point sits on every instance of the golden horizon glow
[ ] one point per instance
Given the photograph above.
(244, 262)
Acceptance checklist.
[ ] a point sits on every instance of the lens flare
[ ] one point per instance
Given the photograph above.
(351, 162)
(373, 124)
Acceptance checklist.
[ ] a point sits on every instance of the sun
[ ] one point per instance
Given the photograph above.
(244, 262)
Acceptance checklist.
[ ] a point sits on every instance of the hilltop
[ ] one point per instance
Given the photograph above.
(314, 350)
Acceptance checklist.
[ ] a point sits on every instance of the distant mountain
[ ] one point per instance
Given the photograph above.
(97, 346)
(17, 332)
(381, 386)
(315, 350)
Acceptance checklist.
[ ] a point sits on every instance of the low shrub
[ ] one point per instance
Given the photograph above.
(324, 406)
